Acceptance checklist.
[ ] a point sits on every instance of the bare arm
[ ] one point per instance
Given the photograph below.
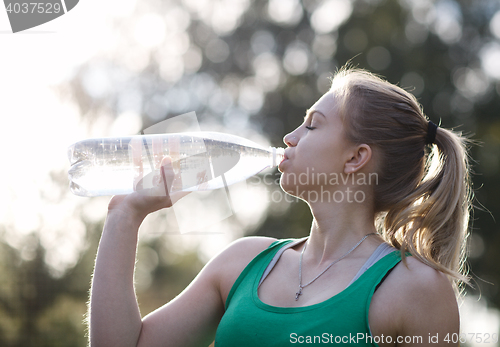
(431, 311)
(115, 319)
(415, 306)
(190, 319)
(114, 316)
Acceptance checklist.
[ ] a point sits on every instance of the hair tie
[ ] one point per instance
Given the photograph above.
(431, 133)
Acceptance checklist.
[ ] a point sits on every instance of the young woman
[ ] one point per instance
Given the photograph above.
(389, 194)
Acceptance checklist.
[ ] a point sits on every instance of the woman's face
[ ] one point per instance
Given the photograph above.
(317, 150)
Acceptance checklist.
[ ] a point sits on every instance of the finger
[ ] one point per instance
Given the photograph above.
(136, 153)
(174, 152)
(157, 151)
(165, 189)
(167, 175)
(159, 182)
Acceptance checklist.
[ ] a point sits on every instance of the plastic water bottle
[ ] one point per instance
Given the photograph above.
(200, 160)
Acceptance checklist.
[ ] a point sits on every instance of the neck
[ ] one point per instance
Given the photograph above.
(336, 229)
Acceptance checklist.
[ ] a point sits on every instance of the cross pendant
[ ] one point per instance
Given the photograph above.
(299, 293)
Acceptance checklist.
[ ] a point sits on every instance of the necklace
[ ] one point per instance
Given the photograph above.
(299, 293)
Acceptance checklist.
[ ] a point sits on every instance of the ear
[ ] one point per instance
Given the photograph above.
(359, 158)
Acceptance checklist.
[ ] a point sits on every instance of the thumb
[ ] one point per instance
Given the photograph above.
(172, 181)
(167, 174)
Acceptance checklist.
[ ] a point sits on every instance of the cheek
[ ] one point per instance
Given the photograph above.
(323, 169)
(323, 159)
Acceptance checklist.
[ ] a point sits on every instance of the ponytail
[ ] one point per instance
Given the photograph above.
(423, 196)
(432, 222)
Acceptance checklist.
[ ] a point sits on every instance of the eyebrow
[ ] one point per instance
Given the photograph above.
(310, 112)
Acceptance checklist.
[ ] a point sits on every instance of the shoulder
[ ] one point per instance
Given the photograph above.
(241, 251)
(420, 297)
(417, 281)
(247, 246)
(230, 262)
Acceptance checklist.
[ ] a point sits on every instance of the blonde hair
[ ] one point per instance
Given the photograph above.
(422, 198)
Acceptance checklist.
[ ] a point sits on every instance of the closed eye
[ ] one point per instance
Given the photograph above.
(310, 128)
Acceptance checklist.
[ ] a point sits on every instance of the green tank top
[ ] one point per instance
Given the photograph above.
(341, 319)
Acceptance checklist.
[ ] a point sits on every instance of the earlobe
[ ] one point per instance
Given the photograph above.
(360, 158)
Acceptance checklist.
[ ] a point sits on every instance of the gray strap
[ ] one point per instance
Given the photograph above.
(382, 250)
(277, 257)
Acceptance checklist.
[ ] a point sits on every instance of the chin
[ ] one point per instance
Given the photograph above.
(286, 183)
(292, 188)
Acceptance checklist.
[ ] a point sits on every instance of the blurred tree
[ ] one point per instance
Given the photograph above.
(36, 308)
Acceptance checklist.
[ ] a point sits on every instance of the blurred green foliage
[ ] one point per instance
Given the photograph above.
(259, 66)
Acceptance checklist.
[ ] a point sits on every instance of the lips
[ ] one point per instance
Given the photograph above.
(287, 153)
(285, 158)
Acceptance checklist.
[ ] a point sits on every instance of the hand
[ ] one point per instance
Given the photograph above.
(147, 200)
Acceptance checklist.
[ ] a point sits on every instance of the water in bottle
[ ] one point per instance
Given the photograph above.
(200, 160)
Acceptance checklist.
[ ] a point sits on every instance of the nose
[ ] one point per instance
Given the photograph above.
(290, 140)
